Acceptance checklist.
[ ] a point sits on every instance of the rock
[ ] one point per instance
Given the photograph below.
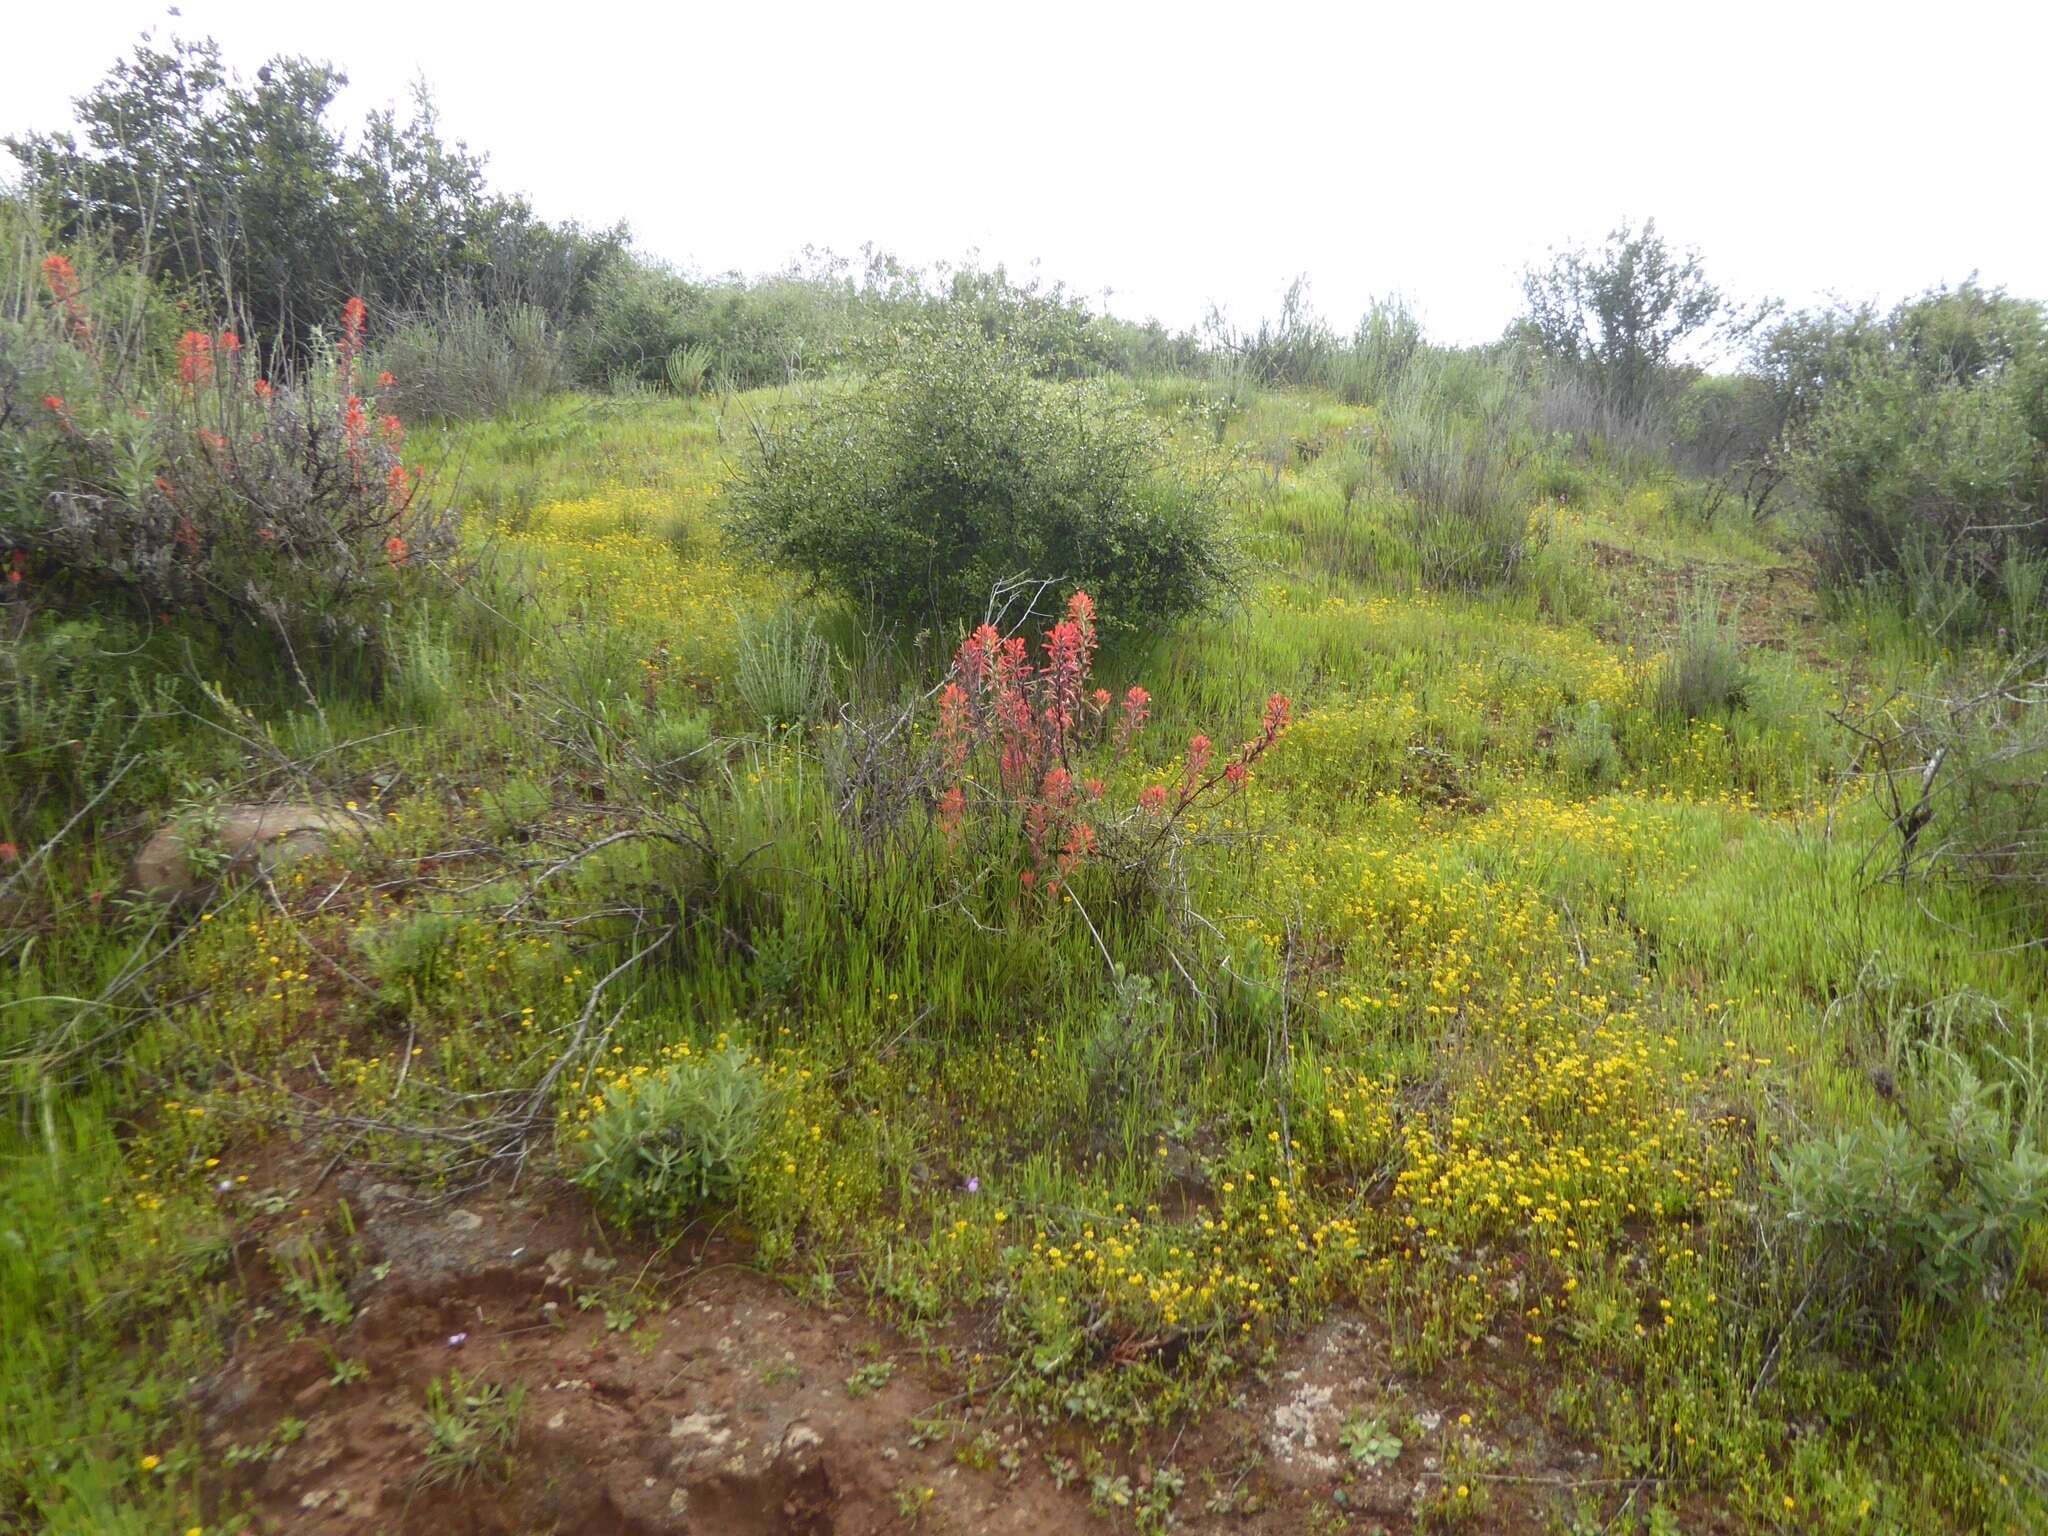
(243, 838)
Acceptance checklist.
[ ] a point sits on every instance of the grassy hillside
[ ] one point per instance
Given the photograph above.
(1502, 1012)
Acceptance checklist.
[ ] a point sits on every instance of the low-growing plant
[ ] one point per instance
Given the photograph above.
(1026, 735)
(665, 1145)
(471, 1428)
(1586, 748)
(1369, 1441)
(1932, 1195)
(514, 809)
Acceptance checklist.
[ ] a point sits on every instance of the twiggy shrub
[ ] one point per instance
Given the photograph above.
(952, 470)
(214, 496)
(665, 1145)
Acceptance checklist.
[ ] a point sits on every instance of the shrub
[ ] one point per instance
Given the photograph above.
(952, 471)
(668, 1143)
(1618, 316)
(1704, 672)
(217, 496)
(461, 360)
(1370, 368)
(1927, 458)
(1586, 749)
(782, 668)
(675, 743)
(1935, 1199)
(1961, 775)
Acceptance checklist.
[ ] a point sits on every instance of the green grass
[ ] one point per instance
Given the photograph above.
(1438, 973)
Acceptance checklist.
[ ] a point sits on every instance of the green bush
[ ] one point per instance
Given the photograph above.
(1586, 750)
(952, 470)
(1467, 502)
(666, 1144)
(1934, 1198)
(1928, 458)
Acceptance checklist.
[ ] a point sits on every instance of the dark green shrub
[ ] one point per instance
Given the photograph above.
(1927, 458)
(952, 470)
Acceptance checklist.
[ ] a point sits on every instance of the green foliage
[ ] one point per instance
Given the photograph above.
(77, 702)
(1368, 1440)
(1586, 748)
(472, 1427)
(412, 955)
(207, 494)
(458, 358)
(953, 471)
(680, 1138)
(514, 809)
(257, 199)
(1622, 313)
(782, 668)
(1934, 1196)
(1467, 503)
(1928, 458)
(1705, 671)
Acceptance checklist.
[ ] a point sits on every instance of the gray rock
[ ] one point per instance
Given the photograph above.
(238, 839)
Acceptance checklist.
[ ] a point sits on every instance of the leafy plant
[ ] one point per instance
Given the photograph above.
(1368, 1440)
(952, 471)
(471, 1428)
(870, 1378)
(1933, 1198)
(669, 1143)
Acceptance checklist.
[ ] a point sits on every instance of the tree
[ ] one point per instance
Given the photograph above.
(245, 194)
(1621, 313)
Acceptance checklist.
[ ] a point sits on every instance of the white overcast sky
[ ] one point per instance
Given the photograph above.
(1176, 155)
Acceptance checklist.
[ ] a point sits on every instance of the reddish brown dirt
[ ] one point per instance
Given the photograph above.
(721, 1405)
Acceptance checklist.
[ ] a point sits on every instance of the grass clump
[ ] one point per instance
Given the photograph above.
(1705, 672)
(782, 669)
